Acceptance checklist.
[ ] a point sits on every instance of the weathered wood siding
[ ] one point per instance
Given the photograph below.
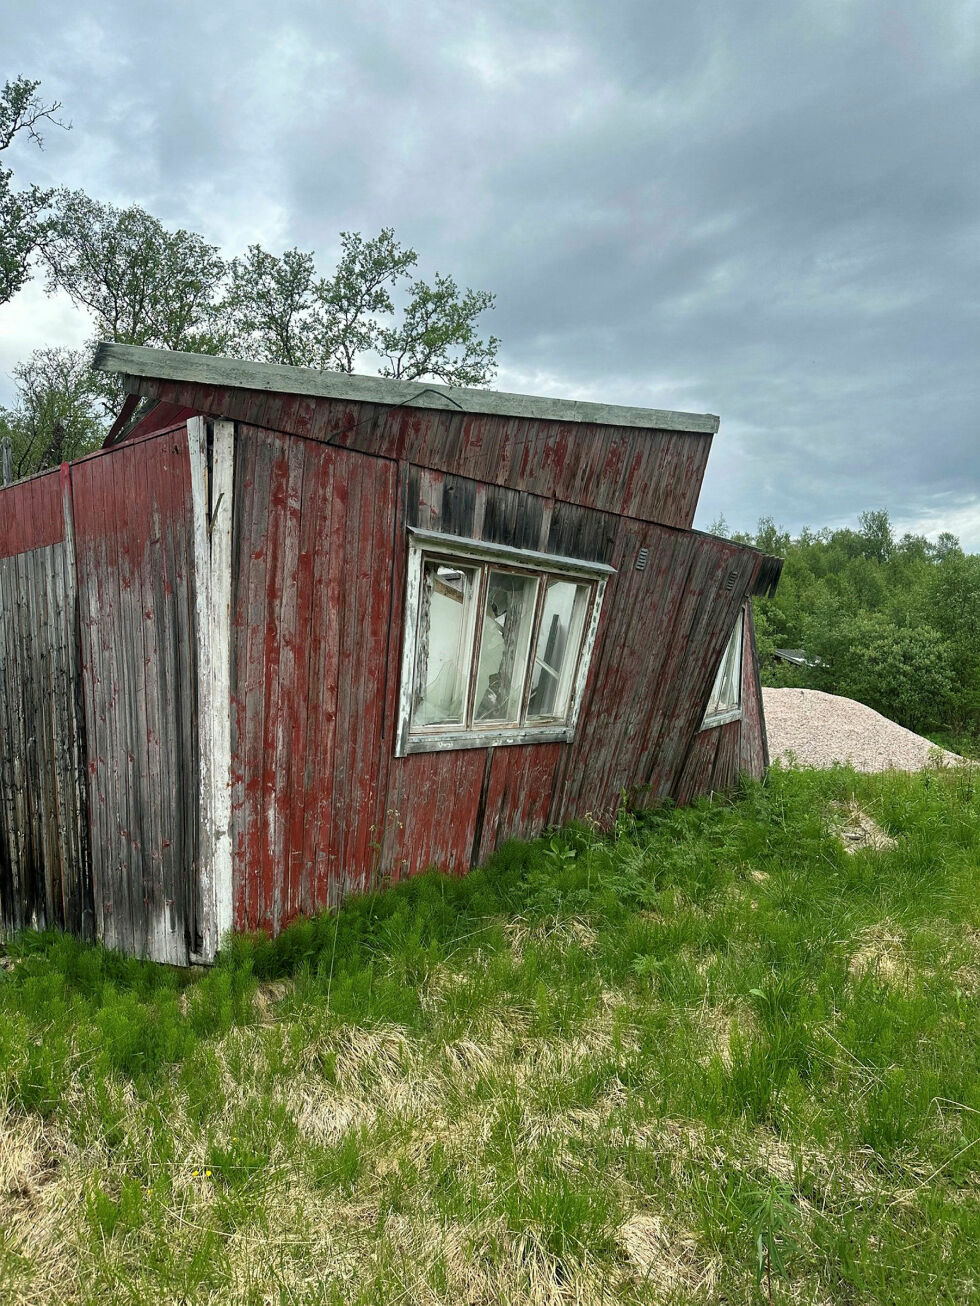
(311, 602)
(31, 514)
(653, 475)
(719, 755)
(318, 552)
(133, 535)
(45, 878)
(321, 804)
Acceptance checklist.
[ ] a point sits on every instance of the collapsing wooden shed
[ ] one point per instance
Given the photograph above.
(291, 632)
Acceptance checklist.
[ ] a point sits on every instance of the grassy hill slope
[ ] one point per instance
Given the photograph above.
(714, 1052)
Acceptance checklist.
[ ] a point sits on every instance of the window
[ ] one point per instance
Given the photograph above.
(497, 643)
(725, 703)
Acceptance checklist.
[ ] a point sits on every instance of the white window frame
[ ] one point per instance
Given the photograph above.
(712, 719)
(426, 546)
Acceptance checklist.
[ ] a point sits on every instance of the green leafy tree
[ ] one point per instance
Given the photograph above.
(903, 672)
(437, 337)
(269, 305)
(57, 411)
(142, 283)
(371, 308)
(770, 539)
(876, 535)
(892, 623)
(22, 211)
(951, 597)
(146, 285)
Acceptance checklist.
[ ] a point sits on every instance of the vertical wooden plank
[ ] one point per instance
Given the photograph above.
(262, 450)
(286, 861)
(94, 700)
(307, 705)
(329, 575)
(197, 450)
(179, 667)
(80, 916)
(222, 492)
(132, 515)
(348, 598)
(127, 877)
(276, 544)
(142, 728)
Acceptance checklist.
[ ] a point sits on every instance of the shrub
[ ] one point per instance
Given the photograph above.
(905, 673)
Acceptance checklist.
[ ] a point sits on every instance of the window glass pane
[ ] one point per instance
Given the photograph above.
(556, 654)
(726, 694)
(442, 664)
(504, 640)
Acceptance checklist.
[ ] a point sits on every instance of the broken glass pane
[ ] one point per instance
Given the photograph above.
(504, 646)
(726, 693)
(442, 664)
(556, 655)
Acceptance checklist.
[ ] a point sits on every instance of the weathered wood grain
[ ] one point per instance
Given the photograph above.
(211, 454)
(45, 879)
(313, 550)
(652, 473)
(220, 536)
(133, 543)
(238, 602)
(286, 384)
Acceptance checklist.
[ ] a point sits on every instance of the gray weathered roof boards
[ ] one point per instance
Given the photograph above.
(235, 373)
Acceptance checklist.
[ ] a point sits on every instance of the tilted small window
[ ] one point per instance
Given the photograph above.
(497, 643)
(725, 703)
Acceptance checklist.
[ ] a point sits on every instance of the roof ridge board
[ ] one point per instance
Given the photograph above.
(214, 370)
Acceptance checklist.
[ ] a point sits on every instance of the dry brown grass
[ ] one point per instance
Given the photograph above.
(857, 830)
(668, 1259)
(881, 952)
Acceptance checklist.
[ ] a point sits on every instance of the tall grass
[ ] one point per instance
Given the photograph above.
(706, 1057)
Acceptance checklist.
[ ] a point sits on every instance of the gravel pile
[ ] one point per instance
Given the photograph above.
(820, 729)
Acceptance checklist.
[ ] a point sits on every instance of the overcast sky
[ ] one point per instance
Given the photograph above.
(765, 209)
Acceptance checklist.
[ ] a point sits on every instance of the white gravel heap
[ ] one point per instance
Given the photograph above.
(819, 729)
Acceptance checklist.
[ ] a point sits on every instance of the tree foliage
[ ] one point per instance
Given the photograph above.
(892, 622)
(22, 210)
(146, 285)
(141, 283)
(57, 413)
(280, 310)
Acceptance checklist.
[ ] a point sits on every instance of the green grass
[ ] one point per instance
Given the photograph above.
(708, 1053)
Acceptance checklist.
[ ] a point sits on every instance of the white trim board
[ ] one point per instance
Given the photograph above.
(222, 483)
(211, 507)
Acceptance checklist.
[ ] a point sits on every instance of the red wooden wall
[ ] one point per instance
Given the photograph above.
(99, 774)
(312, 565)
(653, 475)
(321, 805)
(31, 514)
(322, 506)
(717, 756)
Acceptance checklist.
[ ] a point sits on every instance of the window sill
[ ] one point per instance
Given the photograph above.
(442, 743)
(721, 719)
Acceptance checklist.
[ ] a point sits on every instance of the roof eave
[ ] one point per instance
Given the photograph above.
(137, 361)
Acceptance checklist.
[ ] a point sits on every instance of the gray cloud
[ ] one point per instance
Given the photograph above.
(767, 210)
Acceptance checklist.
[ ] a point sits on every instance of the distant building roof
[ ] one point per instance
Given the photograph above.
(798, 657)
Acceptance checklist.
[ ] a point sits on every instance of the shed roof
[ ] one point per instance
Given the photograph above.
(206, 369)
